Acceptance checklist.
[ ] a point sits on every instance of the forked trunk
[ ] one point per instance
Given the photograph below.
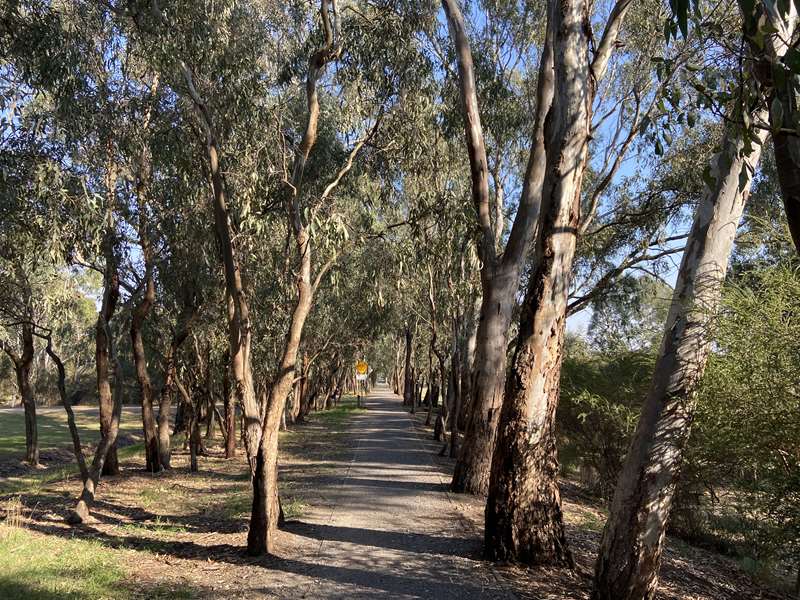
(523, 510)
(630, 550)
(499, 276)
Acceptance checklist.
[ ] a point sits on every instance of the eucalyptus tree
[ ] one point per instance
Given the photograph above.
(500, 272)
(523, 516)
(46, 185)
(23, 280)
(630, 550)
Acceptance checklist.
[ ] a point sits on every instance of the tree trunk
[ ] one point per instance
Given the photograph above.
(80, 514)
(141, 311)
(182, 330)
(468, 360)
(408, 381)
(103, 341)
(455, 371)
(239, 327)
(787, 164)
(230, 411)
(523, 510)
(152, 462)
(266, 513)
(630, 549)
(67, 404)
(23, 367)
(499, 276)
(266, 507)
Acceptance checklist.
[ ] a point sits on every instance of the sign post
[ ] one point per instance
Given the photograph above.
(362, 369)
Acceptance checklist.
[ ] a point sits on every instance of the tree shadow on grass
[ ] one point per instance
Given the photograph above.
(391, 577)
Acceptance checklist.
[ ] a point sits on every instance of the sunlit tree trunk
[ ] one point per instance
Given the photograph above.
(523, 510)
(630, 550)
(524, 521)
(266, 506)
(499, 276)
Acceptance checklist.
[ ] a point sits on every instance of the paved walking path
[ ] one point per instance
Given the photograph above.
(391, 530)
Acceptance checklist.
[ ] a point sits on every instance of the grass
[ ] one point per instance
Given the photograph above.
(591, 521)
(159, 527)
(338, 416)
(160, 495)
(36, 567)
(53, 429)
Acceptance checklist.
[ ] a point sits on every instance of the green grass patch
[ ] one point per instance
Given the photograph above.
(34, 567)
(236, 505)
(591, 521)
(53, 429)
(337, 416)
(293, 508)
(160, 495)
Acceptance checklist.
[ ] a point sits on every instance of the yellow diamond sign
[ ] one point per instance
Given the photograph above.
(361, 367)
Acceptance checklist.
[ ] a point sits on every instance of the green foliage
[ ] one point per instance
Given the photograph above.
(601, 393)
(746, 442)
(631, 316)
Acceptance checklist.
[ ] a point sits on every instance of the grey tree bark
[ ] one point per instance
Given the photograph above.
(499, 274)
(523, 511)
(630, 549)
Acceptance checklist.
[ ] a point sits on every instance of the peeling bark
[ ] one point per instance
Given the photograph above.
(499, 275)
(630, 549)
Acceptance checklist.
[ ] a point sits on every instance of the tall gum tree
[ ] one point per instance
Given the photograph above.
(523, 510)
(266, 511)
(145, 305)
(103, 333)
(499, 273)
(106, 365)
(630, 549)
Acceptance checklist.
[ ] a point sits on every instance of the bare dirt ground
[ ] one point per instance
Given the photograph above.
(369, 517)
